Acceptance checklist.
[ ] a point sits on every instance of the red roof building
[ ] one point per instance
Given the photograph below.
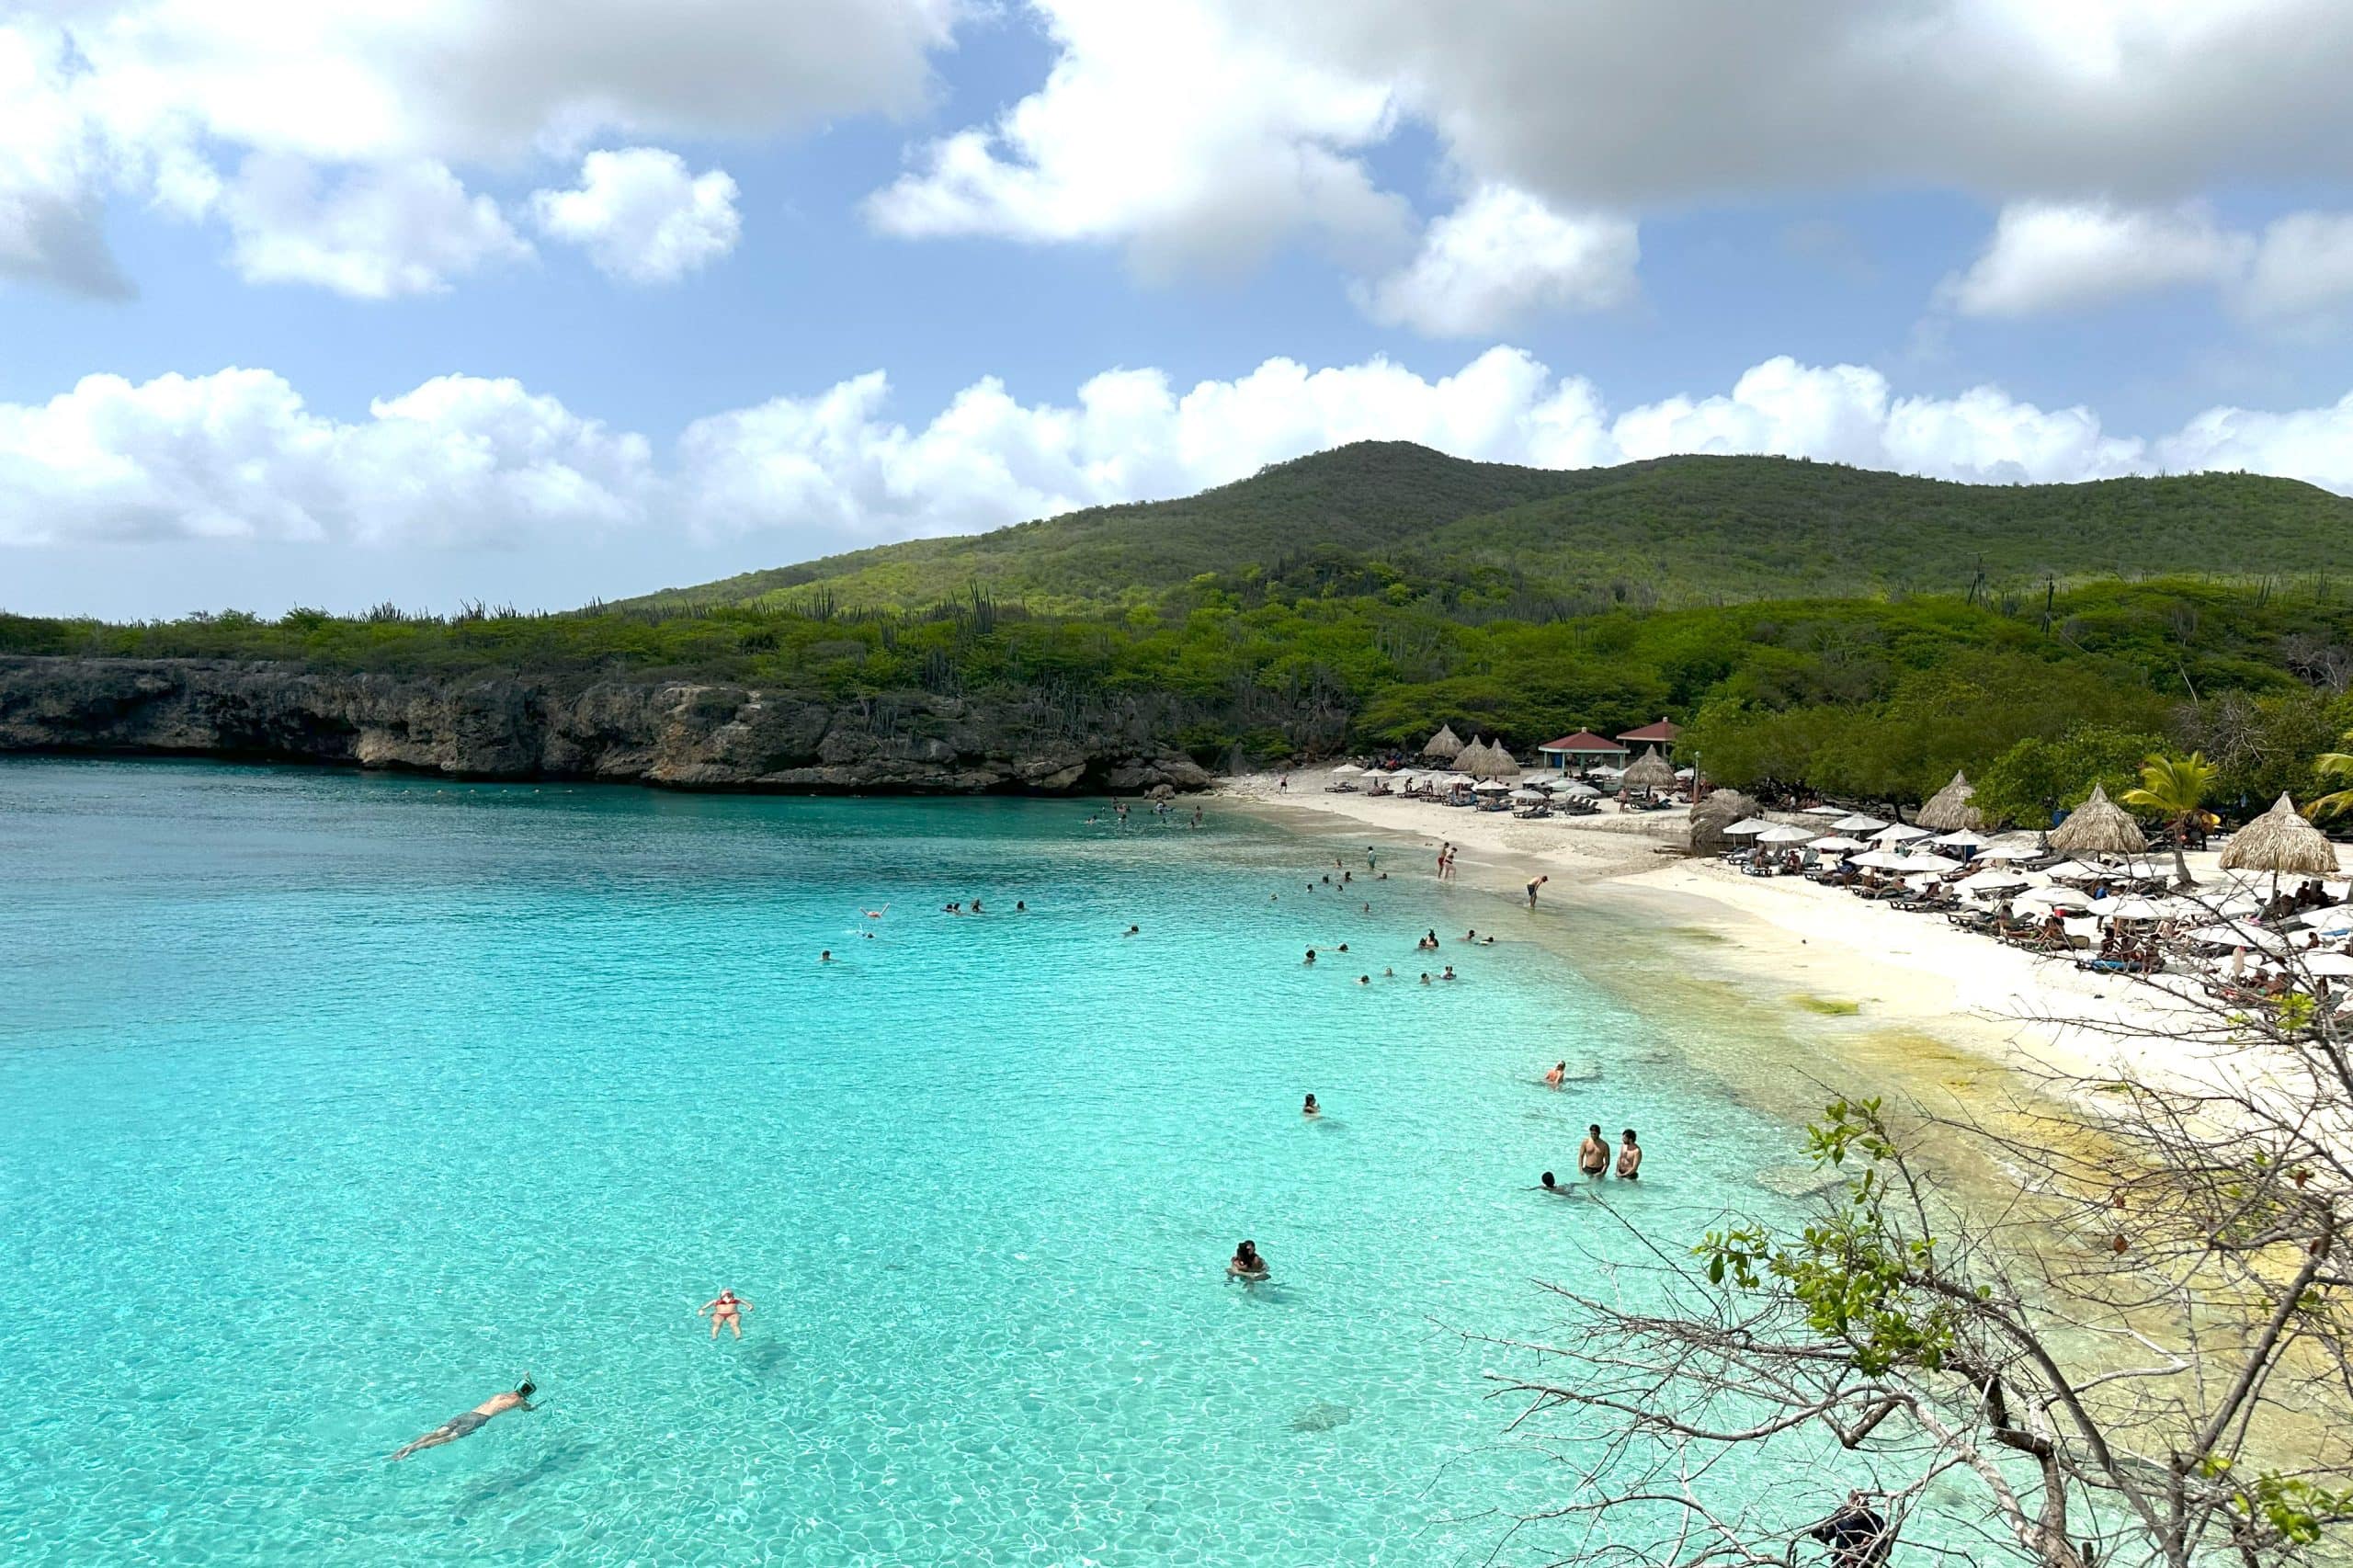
(1582, 749)
(1662, 734)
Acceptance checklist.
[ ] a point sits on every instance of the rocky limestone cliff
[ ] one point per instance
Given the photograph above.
(679, 733)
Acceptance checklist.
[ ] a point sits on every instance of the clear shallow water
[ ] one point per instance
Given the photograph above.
(333, 1102)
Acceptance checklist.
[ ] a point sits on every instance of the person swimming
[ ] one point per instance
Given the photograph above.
(1133, 931)
(1553, 1186)
(1247, 1264)
(1630, 1158)
(1425, 977)
(1020, 906)
(1558, 1075)
(1428, 943)
(1593, 1154)
(459, 1427)
(1310, 1108)
(1364, 980)
(1344, 947)
(727, 1308)
(825, 955)
(1450, 973)
(1311, 955)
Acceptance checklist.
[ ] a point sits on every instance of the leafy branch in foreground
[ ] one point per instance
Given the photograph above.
(2144, 1356)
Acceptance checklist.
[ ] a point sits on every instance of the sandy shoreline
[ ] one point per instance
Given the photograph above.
(1857, 966)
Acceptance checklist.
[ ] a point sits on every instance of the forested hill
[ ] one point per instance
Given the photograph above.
(1669, 531)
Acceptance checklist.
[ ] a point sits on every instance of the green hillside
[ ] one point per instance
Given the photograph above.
(1669, 531)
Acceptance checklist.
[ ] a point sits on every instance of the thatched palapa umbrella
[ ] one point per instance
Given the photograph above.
(2099, 826)
(1651, 772)
(1948, 809)
(1491, 761)
(1446, 744)
(2280, 841)
(1717, 812)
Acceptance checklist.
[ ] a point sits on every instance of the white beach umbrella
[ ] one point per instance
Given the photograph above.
(2339, 965)
(1825, 811)
(2077, 871)
(1455, 781)
(1580, 788)
(1528, 794)
(1887, 860)
(1785, 834)
(1992, 882)
(1859, 823)
(2133, 909)
(2009, 852)
(1347, 767)
(1839, 846)
(1900, 833)
(2239, 934)
(2052, 898)
(1490, 787)
(1961, 840)
(1744, 829)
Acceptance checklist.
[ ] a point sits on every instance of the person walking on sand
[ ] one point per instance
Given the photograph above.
(459, 1427)
(1533, 883)
(1629, 1157)
(1558, 1075)
(1593, 1154)
(728, 1308)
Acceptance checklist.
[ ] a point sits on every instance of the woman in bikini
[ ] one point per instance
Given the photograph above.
(458, 1427)
(728, 1308)
(1247, 1265)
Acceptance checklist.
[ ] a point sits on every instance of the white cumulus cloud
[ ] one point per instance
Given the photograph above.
(641, 215)
(236, 455)
(145, 97)
(1502, 256)
(375, 233)
(2052, 257)
(1179, 131)
(464, 461)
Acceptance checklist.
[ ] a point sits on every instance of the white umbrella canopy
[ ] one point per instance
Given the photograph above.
(1888, 860)
(1899, 833)
(1786, 833)
(2009, 852)
(1964, 839)
(2239, 934)
(2134, 909)
(2054, 898)
(1859, 823)
(2077, 871)
(1490, 787)
(1825, 812)
(1840, 846)
(2336, 964)
(1347, 767)
(1578, 788)
(1525, 794)
(1744, 829)
(1994, 881)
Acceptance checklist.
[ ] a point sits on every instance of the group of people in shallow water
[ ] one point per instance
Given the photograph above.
(1592, 1159)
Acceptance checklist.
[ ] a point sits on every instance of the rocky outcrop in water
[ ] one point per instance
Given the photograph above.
(680, 733)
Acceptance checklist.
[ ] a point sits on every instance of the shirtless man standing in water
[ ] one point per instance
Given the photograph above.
(458, 1427)
(728, 1308)
(1593, 1154)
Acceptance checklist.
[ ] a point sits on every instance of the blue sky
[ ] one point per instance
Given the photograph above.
(534, 309)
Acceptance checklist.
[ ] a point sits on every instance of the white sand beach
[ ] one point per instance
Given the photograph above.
(1790, 938)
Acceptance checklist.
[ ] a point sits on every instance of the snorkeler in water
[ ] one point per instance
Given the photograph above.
(459, 1427)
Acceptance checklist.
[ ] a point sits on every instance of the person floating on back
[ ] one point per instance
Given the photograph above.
(728, 1308)
(459, 1427)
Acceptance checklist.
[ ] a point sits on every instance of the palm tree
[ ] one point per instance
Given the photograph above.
(2174, 787)
(2333, 764)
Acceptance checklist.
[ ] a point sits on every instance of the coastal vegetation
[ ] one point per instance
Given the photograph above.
(1815, 627)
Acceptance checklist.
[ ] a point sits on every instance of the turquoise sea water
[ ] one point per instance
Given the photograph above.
(332, 1103)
